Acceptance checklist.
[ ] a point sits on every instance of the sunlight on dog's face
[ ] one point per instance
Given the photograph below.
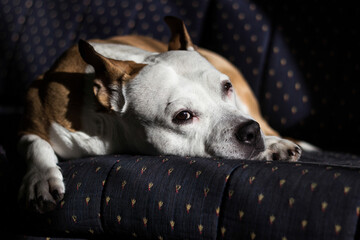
(179, 104)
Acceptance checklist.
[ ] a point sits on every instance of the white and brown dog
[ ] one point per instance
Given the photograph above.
(133, 94)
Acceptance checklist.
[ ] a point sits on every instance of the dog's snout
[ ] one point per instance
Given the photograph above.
(248, 132)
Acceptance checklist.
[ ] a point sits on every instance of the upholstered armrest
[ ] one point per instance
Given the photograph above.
(192, 198)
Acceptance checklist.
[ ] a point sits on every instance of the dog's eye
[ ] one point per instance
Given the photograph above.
(183, 117)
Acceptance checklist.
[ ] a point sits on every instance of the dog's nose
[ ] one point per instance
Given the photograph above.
(248, 132)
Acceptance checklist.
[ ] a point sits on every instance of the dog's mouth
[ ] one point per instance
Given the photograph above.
(232, 149)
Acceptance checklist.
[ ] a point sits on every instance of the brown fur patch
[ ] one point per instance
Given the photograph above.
(180, 38)
(109, 73)
(56, 96)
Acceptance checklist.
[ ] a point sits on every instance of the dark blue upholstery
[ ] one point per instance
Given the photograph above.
(192, 198)
(299, 58)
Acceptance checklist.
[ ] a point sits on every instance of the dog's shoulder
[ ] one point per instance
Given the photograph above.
(50, 98)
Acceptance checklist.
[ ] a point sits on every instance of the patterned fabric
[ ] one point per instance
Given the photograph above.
(290, 201)
(295, 55)
(168, 197)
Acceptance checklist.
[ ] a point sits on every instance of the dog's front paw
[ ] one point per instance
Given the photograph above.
(42, 189)
(278, 149)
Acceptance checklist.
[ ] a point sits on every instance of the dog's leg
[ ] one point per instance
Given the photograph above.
(279, 149)
(42, 186)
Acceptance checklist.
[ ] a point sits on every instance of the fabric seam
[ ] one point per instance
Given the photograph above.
(102, 206)
(218, 231)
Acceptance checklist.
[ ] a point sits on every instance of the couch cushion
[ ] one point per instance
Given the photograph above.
(192, 198)
(291, 201)
(169, 197)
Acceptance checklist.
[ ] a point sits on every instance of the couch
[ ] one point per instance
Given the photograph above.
(298, 57)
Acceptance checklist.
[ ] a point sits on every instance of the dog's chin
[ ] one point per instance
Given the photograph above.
(231, 152)
(253, 152)
(236, 150)
(247, 155)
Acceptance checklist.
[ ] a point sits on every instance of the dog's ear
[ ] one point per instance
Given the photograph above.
(180, 38)
(110, 70)
(110, 75)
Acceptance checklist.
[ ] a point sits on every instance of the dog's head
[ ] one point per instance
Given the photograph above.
(175, 102)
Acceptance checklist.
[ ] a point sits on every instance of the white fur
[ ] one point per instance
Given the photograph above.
(78, 144)
(308, 147)
(43, 175)
(121, 52)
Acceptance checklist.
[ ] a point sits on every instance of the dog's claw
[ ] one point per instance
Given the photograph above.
(45, 205)
(291, 152)
(294, 152)
(57, 196)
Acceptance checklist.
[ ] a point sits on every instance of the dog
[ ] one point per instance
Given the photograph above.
(133, 94)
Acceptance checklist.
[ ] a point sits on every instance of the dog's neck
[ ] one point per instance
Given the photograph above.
(111, 127)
